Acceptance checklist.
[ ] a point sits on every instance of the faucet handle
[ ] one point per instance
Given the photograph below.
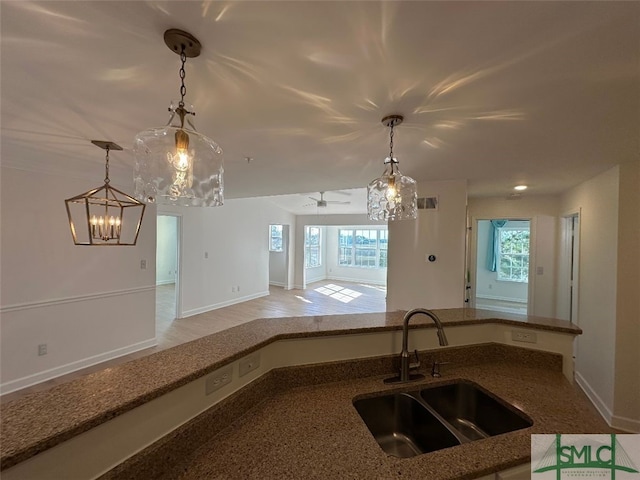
(417, 363)
(435, 368)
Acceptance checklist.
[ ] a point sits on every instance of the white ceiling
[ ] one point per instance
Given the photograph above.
(499, 93)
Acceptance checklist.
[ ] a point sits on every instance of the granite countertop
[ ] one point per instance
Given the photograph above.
(41, 420)
(314, 431)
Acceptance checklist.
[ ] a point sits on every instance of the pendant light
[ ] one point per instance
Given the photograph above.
(105, 215)
(393, 196)
(176, 165)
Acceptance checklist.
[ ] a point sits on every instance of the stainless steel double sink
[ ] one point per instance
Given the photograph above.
(440, 416)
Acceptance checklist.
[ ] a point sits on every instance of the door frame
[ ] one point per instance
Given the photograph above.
(178, 289)
(473, 259)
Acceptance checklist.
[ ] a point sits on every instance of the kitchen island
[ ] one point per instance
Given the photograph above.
(92, 405)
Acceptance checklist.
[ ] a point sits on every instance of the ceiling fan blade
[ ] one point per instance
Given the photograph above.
(342, 192)
(336, 202)
(314, 199)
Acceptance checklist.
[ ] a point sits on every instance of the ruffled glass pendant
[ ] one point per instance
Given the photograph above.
(174, 164)
(392, 196)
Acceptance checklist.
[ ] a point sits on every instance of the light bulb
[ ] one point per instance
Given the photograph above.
(391, 192)
(112, 221)
(94, 220)
(182, 162)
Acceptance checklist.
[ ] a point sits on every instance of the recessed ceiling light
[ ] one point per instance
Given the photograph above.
(520, 187)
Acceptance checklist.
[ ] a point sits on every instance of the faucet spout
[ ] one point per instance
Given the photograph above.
(404, 355)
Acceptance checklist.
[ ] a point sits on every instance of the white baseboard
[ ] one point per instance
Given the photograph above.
(277, 284)
(215, 306)
(502, 299)
(602, 408)
(627, 424)
(39, 377)
(357, 280)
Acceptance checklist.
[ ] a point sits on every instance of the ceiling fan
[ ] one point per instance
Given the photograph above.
(321, 202)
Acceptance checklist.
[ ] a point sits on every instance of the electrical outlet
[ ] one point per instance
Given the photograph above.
(42, 349)
(143, 264)
(218, 379)
(238, 288)
(249, 364)
(523, 336)
(206, 254)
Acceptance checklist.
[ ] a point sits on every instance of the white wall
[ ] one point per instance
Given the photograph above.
(412, 281)
(166, 250)
(88, 304)
(487, 283)
(597, 200)
(376, 276)
(223, 249)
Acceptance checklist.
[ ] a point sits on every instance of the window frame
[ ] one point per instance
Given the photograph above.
(277, 236)
(348, 250)
(524, 272)
(311, 247)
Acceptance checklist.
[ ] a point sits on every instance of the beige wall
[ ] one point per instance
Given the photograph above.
(626, 404)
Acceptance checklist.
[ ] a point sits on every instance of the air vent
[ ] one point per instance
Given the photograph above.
(428, 203)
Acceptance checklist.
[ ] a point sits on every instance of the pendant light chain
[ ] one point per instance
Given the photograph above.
(106, 168)
(183, 88)
(391, 142)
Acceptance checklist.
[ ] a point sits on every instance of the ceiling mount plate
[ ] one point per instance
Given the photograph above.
(392, 120)
(177, 39)
(103, 144)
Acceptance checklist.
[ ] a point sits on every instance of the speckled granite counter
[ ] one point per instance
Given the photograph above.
(42, 420)
(278, 428)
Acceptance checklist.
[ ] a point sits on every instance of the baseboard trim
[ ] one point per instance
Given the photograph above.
(627, 424)
(502, 299)
(215, 306)
(357, 280)
(277, 284)
(595, 399)
(79, 298)
(39, 377)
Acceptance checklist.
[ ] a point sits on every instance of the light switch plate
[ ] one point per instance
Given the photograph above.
(248, 364)
(524, 336)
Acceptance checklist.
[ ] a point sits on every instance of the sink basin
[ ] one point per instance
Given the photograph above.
(442, 416)
(402, 426)
(473, 411)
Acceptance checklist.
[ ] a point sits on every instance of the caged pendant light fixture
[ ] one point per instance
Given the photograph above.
(105, 215)
(393, 196)
(176, 165)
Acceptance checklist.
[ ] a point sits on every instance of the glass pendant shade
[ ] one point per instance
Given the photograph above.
(392, 196)
(176, 165)
(104, 215)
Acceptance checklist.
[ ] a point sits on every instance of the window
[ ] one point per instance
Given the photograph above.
(275, 238)
(513, 255)
(312, 242)
(362, 248)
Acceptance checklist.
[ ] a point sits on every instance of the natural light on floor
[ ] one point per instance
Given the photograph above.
(345, 295)
(303, 299)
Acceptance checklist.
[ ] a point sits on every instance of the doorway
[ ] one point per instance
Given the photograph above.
(167, 270)
(569, 264)
(502, 265)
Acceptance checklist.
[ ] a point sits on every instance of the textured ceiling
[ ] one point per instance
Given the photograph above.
(498, 93)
